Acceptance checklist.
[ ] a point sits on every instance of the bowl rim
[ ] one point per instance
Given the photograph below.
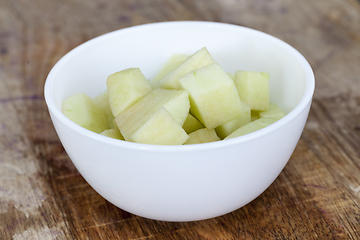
(297, 110)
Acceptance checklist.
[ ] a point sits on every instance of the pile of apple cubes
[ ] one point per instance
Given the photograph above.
(191, 100)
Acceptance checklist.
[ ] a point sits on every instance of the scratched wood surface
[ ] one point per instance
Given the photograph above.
(42, 195)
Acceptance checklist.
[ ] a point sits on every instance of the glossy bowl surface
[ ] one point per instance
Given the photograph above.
(182, 183)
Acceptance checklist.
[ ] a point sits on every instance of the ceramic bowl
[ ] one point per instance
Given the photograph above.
(192, 182)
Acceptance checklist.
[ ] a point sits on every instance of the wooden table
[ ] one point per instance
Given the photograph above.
(42, 195)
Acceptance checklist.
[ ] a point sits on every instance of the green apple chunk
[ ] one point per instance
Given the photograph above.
(175, 61)
(253, 88)
(191, 124)
(113, 133)
(160, 129)
(213, 95)
(176, 103)
(252, 127)
(81, 109)
(232, 76)
(254, 115)
(199, 59)
(179, 106)
(102, 100)
(203, 135)
(227, 128)
(125, 88)
(273, 112)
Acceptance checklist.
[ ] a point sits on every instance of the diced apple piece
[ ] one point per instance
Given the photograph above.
(191, 124)
(175, 101)
(227, 128)
(175, 61)
(125, 88)
(253, 88)
(232, 76)
(160, 129)
(81, 109)
(273, 112)
(213, 95)
(254, 115)
(252, 127)
(179, 107)
(102, 100)
(113, 133)
(199, 59)
(113, 124)
(203, 135)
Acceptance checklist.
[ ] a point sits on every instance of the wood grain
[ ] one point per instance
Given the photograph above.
(42, 195)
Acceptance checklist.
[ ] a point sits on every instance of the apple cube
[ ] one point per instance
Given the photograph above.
(199, 59)
(252, 127)
(254, 115)
(232, 76)
(102, 100)
(113, 133)
(81, 109)
(213, 96)
(203, 135)
(227, 128)
(125, 88)
(179, 106)
(253, 88)
(273, 112)
(176, 103)
(160, 129)
(191, 124)
(175, 61)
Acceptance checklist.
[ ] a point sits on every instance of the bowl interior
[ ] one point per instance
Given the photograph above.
(148, 47)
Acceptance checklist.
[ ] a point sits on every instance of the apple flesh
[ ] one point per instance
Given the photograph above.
(125, 88)
(176, 103)
(191, 124)
(179, 106)
(252, 127)
(160, 129)
(273, 112)
(253, 88)
(213, 96)
(81, 109)
(203, 135)
(102, 100)
(254, 115)
(232, 76)
(175, 61)
(227, 128)
(223, 105)
(113, 133)
(199, 59)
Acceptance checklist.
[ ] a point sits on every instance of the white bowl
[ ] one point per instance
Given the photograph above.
(182, 183)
